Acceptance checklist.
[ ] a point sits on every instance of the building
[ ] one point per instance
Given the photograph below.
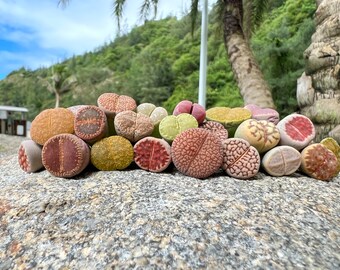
(13, 120)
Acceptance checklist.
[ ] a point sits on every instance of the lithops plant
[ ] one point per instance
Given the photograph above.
(281, 160)
(112, 103)
(75, 108)
(195, 109)
(51, 122)
(216, 128)
(172, 125)
(240, 159)
(263, 135)
(333, 145)
(296, 130)
(65, 155)
(90, 124)
(29, 156)
(152, 154)
(319, 162)
(260, 113)
(112, 153)
(197, 152)
(133, 126)
(229, 117)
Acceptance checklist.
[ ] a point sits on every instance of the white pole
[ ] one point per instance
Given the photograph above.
(203, 56)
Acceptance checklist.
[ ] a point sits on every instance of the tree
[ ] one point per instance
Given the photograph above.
(253, 88)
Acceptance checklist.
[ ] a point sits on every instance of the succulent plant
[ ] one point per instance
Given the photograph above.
(74, 109)
(259, 113)
(196, 110)
(240, 159)
(152, 154)
(29, 156)
(333, 145)
(112, 103)
(216, 128)
(65, 155)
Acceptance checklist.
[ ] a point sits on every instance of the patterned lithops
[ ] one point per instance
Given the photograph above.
(112, 103)
(112, 153)
(65, 155)
(152, 154)
(333, 145)
(29, 156)
(172, 125)
(240, 159)
(51, 122)
(281, 160)
(263, 135)
(197, 152)
(259, 113)
(216, 128)
(296, 130)
(133, 126)
(196, 110)
(319, 162)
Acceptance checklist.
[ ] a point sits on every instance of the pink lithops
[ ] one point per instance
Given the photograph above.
(319, 162)
(65, 155)
(133, 126)
(196, 110)
(240, 159)
(29, 156)
(259, 113)
(152, 154)
(263, 135)
(112, 103)
(296, 130)
(281, 160)
(216, 128)
(196, 152)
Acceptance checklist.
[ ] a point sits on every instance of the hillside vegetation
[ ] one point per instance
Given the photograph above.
(159, 63)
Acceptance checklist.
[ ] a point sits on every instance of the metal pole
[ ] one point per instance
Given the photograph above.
(203, 56)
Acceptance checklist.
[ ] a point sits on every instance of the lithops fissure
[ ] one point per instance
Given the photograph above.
(65, 155)
(195, 109)
(29, 156)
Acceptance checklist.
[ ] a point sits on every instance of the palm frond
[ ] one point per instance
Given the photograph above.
(118, 6)
(253, 13)
(193, 14)
(147, 6)
(63, 3)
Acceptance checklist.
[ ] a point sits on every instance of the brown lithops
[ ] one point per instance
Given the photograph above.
(216, 128)
(29, 156)
(319, 162)
(240, 159)
(65, 155)
(112, 103)
(197, 152)
(51, 122)
(90, 124)
(152, 154)
(333, 145)
(133, 126)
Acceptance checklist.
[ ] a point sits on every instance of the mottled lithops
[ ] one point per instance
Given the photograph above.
(216, 128)
(133, 126)
(152, 154)
(319, 162)
(172, 125)
(263, 135)
(112, 103)
(333, 145)
(51, 122)
(196, 110)
(74, 109)
(240, 159)
(29, 156)
(229, 117)
(296, 130)
(196, 152)
(90, 124)
(259, 113)
(112, 153)
(281, 160)
(65, 155)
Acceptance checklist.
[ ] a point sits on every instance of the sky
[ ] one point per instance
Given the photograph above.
(39, 33)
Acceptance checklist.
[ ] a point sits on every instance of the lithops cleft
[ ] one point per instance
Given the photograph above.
(195, 109)
(29, 156)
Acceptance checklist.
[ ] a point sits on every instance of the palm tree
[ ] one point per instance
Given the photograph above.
(253, 88)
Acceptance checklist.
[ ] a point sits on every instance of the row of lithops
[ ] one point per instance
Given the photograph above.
(117, 132)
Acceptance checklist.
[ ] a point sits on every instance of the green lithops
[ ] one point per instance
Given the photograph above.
(112, 153)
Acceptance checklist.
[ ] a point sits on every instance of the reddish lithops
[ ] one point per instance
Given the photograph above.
(296, 130)
(29, 156)
(65, 155)
(259, 113)
(240, 159)
(196, 110)
(319, 162)
(216, 128)
(112, 103)
(281, 160)
(90, 124)
(263, 135)
(152, 154)
(196, 152)
(133, 126)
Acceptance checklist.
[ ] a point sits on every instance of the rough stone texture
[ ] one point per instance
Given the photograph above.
(137, 219)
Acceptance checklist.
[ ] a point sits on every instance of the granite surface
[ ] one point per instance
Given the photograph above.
(134, 219)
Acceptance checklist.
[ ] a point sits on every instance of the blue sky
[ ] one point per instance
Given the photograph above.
(38, 33)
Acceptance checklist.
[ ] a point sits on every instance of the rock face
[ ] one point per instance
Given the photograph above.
(318, 91)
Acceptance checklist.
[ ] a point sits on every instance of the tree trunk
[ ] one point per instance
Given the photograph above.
(318, 91)
(57, 99)
(253, 88)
